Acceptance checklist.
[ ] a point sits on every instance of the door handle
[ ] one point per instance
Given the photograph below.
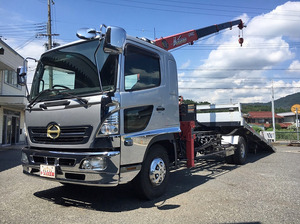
(160, 108)
(128, 142)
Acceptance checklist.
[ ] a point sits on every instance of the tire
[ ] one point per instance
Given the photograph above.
(229, 159)
(241, 152)
(153, 178)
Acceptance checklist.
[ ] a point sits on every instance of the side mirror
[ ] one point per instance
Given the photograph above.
(86, 33)
(21, 74)
(115, 38)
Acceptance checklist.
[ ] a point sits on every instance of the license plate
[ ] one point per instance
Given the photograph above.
(47, 171)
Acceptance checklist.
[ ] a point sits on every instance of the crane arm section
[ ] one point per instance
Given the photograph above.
(188, 37)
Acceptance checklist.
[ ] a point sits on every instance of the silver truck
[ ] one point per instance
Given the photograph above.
(104, 111)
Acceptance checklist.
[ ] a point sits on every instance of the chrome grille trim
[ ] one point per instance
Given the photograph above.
(68, 135)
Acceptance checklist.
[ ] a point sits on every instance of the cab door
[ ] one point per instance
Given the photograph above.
(142, 100)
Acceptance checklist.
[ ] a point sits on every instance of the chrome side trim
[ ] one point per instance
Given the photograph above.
(108, 154)
(134, 153)
(154, 132)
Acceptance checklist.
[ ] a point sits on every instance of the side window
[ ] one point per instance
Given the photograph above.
(142, 70)
(137, 118)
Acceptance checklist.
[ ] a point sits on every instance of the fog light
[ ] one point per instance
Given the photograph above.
(24, 158)
(94, 163)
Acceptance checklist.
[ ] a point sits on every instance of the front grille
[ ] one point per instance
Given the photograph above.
(68, 135)
(52, 161)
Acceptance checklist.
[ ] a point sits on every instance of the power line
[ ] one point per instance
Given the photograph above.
(260, 80)
(158, 8)
(25, 43)
(229, 6)
(195, 7)
(26, 32)
(25, 25)
(237, 69)
(242, 82)
(238, 88)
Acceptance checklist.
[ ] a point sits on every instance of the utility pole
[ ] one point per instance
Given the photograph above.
(273, 113)
(49, 32)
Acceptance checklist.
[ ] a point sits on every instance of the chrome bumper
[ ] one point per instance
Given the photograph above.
(68, 166)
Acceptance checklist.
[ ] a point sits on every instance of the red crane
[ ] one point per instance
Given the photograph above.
(190, 36)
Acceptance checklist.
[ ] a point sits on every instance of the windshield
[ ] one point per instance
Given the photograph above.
(72, 70)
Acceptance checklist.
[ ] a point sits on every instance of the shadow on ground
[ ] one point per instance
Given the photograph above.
(10, 158)
(123, 198)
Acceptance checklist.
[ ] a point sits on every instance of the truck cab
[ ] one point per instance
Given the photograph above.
(99, 108)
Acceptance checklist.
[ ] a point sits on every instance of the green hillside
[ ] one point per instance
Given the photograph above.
(288, 101)
(283, 104)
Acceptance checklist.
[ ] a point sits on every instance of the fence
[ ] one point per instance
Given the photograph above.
(287, 136)
(281, 135)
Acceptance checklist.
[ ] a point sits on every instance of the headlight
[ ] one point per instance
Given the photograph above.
(94, 163)
(24, 158)
(110, 126)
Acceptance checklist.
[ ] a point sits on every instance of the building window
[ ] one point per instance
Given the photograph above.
(11, 127)
(10, 78)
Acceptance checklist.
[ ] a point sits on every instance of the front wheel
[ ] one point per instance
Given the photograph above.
(153, 178)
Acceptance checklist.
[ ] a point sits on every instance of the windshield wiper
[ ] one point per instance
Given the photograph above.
(35, 100)
(32, 103)
(81, 100)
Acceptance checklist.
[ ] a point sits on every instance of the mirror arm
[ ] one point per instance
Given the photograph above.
(97, 65)
(24, 73)
(26, 59)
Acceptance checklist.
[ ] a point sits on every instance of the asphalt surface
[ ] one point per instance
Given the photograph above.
(265, 190)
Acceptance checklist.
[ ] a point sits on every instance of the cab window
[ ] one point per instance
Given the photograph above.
(142, 69)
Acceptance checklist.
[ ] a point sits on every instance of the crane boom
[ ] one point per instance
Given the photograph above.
(190, 36)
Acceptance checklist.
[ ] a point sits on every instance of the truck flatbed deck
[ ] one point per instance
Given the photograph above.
(228, 121)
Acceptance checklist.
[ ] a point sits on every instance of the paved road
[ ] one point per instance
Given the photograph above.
(265, 190)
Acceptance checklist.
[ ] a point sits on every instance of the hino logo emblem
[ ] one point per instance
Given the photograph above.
(53, 131)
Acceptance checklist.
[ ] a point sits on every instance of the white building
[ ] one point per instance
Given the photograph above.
(12, 98)
(288, 117)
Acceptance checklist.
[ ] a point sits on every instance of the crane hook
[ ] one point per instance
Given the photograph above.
(241, 40)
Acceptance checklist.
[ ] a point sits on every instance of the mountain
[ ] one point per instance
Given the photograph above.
(288, 101)
(283, 104)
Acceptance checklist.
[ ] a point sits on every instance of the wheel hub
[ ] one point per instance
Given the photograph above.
(157, 172)
(243, 151)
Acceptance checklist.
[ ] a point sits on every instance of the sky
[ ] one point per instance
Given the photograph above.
(215, 69)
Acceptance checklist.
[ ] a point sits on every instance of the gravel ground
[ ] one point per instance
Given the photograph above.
(265, 190)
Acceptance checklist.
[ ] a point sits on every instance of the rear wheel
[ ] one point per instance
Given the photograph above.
(241, 151)
(153, 178)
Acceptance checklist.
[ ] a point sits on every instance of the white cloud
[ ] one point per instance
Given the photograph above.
(186, 64)
(294, 67)
(282, 21)
(233, 73)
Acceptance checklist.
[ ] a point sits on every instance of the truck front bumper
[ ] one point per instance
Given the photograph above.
(85, 168)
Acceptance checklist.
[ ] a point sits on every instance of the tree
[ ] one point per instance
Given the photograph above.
(188, 101)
